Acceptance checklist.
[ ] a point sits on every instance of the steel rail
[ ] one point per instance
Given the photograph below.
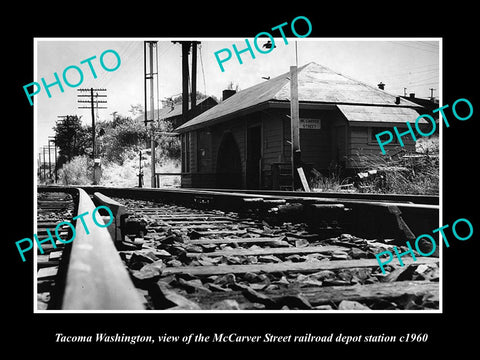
(420, 217)
(417, 199)
(96, 277)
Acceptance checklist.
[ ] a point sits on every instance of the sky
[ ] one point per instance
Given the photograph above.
(414, 64)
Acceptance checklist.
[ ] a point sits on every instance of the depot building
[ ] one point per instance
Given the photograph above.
(244, 141)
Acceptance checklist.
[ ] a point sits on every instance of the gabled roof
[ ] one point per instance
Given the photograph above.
(316, 84)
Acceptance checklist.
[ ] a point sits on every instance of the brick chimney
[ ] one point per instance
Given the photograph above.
(227, 93)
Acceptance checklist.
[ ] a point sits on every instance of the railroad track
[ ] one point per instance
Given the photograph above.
(52, 208)
(273, 253)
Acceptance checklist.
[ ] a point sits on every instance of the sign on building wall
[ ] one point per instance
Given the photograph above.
(309, 123)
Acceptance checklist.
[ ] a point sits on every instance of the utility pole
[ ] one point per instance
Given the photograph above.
(39, 165)
(185, 52)
(44, 176)
(150, 77)
(294, 126)
(193, 95)
(49, 163)
(93, 105)
(54, 140)
(185, 75)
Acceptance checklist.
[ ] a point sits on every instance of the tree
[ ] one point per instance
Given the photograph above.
(72, 138)
(168, 147)
(121, 135)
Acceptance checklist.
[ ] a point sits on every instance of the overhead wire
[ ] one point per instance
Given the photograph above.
(412, 45)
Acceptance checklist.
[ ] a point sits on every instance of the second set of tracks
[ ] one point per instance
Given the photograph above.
(265, 253)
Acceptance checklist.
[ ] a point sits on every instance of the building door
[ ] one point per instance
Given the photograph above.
(254, 155)
(229, 165)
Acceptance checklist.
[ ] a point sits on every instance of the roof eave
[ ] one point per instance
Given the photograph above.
(223, 118)
(279, 104)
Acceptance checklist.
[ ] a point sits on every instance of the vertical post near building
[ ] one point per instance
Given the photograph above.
(149, 77)
(152, 107)
(185, 52)
(140, 173)
(185, 77)
(294, 126)
(185, 139)
(193, 95)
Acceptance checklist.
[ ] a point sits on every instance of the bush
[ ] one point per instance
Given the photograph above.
(406, 173)
(415, 173)
(334, 181)
(125, 135)
(78, 171)
(126, 175)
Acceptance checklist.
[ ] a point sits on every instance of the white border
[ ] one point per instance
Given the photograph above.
(206, 312)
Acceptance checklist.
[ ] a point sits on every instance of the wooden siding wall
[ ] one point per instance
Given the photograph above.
(204, 146)
(362, 150)
(189, 143)
(336, 143)
(274, 150)
(204, 151)
(318, 146)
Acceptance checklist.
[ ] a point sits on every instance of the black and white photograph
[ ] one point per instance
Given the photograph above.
(252, 180)
(291, 180)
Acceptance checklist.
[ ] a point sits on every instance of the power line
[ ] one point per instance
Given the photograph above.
(410, 45)
(432, 80)
(410, 73)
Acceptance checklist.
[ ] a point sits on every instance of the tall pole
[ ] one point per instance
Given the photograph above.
(93, 104)
(193, 95)
(54, 140)
(93, 128)
(145, 80)
(152, 107)
(44, 176)
(150, 76)
(185, 52)
(295, 131)
(56, 168)
(39, 166)
(49, 163)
